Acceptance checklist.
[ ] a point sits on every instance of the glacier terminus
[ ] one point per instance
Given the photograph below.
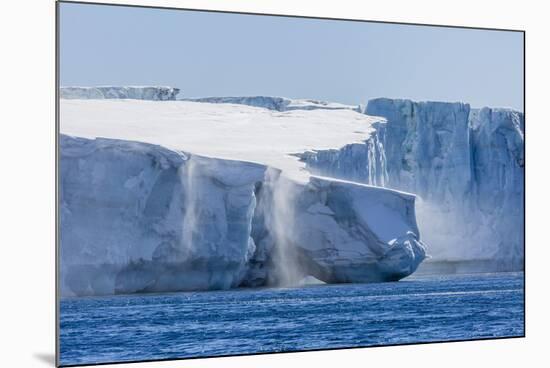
(163, 194)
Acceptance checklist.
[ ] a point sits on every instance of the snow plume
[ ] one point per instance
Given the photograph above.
(191, 197)
(281, 220)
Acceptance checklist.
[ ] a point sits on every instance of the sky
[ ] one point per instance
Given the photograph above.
(221, 54)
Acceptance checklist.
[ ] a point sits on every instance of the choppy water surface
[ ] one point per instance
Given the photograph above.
(180, 325)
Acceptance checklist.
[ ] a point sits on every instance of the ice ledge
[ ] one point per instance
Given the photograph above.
(276, 103)
(152, 93)
(138, 217)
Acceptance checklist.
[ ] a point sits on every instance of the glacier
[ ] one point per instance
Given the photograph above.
(466, 167)
(138, 217)
(224, 192)
(153, 93)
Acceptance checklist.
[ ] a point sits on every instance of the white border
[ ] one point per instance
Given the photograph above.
(27, 181)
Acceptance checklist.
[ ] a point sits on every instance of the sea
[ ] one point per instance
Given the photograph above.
(417, 309)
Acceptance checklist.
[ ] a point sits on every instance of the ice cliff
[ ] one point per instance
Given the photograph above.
(253, 191)
(466, 166)
(155, 93)
(137, 217)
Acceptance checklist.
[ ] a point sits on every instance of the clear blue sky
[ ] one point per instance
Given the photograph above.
(214, 54)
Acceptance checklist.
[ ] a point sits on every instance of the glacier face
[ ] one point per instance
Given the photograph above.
(499, 179)
(362, 162)
(254, 201)
(466, 166)
(137, 217)
(153, 93)
(427, 147)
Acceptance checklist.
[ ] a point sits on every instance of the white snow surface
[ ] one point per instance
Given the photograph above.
(230, 131)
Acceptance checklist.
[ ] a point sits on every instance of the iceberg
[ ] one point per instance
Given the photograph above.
(137, 217)
(333, 230)
(348, 232)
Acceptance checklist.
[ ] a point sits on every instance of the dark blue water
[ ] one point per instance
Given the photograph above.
(180, 325)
